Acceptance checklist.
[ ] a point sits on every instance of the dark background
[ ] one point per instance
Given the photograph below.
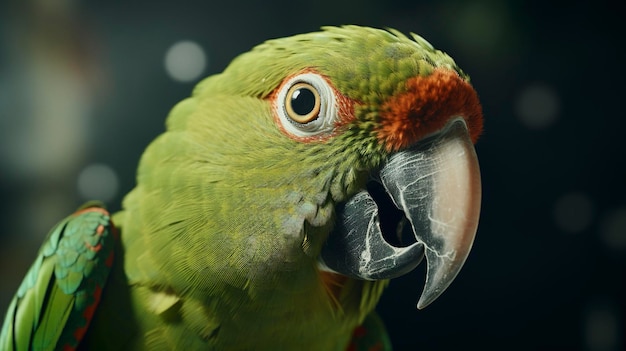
(83, 90)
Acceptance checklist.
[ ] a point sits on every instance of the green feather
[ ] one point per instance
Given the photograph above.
(230, 214)
(50, 303)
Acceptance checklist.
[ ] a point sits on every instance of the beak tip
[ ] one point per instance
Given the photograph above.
(432, 291)
(441, 271)
(423, 302)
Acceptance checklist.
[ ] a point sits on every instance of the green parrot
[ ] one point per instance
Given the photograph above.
(274, 209)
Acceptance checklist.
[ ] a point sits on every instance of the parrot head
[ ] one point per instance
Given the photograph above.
(338, 156)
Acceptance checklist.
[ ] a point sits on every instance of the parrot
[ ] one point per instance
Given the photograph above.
(271, 214)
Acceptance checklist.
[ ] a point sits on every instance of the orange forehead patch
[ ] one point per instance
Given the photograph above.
(426, 106)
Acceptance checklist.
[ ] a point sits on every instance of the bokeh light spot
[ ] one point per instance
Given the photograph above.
(573, 212)
(602, 326)
(98, 182)
(613, 229)
(537, 106)
(185, 61)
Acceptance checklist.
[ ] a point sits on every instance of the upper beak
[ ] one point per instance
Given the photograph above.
(435, 186)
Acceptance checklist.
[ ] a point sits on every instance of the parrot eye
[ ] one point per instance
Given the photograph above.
(305, 105)
(302, 103)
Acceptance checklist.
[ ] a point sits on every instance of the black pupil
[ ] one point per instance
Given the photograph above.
(303, 101)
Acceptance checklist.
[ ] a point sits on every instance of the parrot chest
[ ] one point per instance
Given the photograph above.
(234, 320)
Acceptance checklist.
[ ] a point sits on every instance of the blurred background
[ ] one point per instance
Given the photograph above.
(85, 86)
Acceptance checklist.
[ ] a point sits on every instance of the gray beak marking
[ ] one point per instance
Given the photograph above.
(435, 189)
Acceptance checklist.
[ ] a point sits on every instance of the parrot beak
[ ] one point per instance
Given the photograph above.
(429, 192)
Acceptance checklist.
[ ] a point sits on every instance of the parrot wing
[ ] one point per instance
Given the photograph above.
(59, 295)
